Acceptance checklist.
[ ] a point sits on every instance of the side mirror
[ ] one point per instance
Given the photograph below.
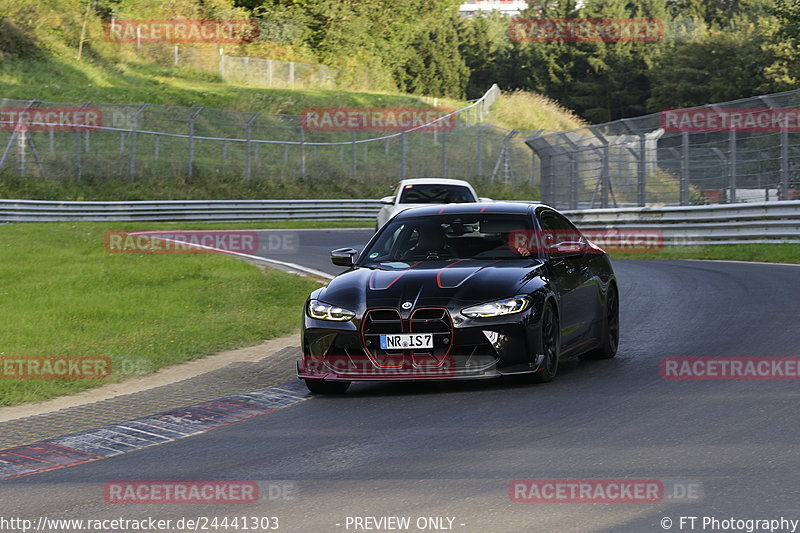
(482, 199)
(387, 200)
(344, 257)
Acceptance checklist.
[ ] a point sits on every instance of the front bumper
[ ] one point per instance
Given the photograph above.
(463, 348)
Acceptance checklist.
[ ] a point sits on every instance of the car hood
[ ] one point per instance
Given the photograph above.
(432, 283)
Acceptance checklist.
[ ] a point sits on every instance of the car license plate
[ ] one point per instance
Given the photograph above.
(407, 341)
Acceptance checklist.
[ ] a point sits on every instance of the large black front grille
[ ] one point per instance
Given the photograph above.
(425, 320)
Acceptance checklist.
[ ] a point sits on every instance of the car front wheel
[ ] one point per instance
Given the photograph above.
(609, 339)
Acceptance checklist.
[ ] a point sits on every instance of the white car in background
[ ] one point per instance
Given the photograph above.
(425, 191)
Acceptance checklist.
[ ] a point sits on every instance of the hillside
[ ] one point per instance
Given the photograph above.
(42, 58)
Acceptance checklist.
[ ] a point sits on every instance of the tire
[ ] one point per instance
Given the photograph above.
(609, 340)
(317, 386)
(551, 346)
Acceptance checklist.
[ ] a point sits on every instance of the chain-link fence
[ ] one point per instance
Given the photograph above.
(252, 70)
(742, 151)
(151, 141)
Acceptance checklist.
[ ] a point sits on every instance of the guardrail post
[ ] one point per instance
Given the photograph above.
(191, 140)
(684, 184)
(134, 129)
(732, 164)
(248, 146)
(784, 163)
(641, 185)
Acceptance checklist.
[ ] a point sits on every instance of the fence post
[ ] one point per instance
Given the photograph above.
(291, 72)
(641, 189)
(175, 56)
(784, 163)
(52, 143)
(248, 147)
(605, 184)
(353, 163)
(302, 153)
(403, 150)
(156, 146)
(78, 161)
(732, 165)
(444, 154)
(22, 140)
(221, 64)
(191, 140)
(573, 183)
(246, 68)
(684, 193)
(134, 129)
(479, 152)
(269, 73)
(77, 155)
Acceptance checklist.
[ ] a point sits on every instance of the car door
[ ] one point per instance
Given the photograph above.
(571, 277)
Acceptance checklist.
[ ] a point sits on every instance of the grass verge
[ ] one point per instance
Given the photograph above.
(768, 253)
(63, 295)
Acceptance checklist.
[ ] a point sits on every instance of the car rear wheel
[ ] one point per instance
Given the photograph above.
(610, 337)
(317, 386)
(551, 346)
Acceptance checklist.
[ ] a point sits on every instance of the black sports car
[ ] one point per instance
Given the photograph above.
(461, 291)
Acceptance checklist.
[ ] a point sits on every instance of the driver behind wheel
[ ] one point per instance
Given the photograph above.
(431, 241)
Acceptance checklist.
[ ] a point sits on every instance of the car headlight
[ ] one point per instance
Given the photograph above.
(508, 306)
(323, 311)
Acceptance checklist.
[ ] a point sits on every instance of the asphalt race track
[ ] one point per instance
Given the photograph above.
(450, 450)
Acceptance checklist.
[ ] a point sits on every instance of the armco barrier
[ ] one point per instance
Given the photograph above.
(191, 210)
(768, 222)
(765, 222)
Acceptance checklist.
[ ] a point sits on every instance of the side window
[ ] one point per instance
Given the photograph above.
(556, 228)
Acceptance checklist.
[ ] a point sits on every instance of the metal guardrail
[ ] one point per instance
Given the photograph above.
(767, 222)
(187, 210)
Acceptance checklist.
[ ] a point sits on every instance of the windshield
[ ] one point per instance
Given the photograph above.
(436, 194)
(457, 236)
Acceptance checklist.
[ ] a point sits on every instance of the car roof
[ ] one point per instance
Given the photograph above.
(435, 181)
(468, 208)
